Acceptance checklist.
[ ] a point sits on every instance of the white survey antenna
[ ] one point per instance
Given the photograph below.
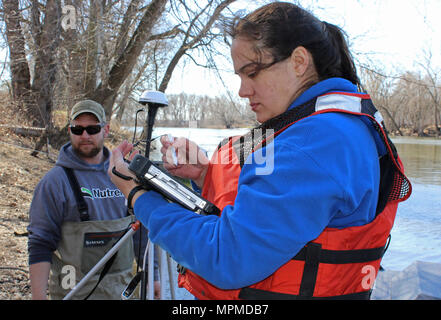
(153, 97)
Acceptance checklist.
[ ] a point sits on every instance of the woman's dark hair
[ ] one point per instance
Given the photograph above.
(281, 27)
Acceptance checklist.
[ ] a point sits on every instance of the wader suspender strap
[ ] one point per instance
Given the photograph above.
(82, 205)
(84, 216)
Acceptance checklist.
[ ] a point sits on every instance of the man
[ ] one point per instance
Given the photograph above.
(68, 237)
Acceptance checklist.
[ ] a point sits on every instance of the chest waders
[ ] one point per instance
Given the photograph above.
(82, 245)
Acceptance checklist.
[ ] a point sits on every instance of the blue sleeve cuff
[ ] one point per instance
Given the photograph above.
(39, 253)
(195, 187)
(146, 204)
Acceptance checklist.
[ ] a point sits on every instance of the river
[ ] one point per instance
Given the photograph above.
(417, 231)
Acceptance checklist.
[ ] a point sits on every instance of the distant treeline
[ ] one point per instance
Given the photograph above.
(190, 110)
(410, 104)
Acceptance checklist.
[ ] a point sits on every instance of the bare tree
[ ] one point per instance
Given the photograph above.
(35, 93)
(20, 73)
(380, 89)
(191, 30)
(432, 80)
(107, 90)
(107, 54)
(196, 31)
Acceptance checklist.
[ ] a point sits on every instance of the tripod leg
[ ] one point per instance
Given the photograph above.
(162, 262)
(151, 268)
(170, 277)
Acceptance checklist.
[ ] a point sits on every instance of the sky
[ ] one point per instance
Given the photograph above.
(388, 34)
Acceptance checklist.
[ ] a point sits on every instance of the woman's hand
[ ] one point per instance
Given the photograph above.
(192, 163)
(117, 161)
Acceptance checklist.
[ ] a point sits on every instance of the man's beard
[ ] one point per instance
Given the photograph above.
(89, 154)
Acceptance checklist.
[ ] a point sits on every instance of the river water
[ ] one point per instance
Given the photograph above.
(417, 231)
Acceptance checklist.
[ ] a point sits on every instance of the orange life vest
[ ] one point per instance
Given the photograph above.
(340, 263)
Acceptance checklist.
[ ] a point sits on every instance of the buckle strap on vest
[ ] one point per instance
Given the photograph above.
(313, 255)
(257, 294)
(81, 203)
(310, 270)
(340, 256)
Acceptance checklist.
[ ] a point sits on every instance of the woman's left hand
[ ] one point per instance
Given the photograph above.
(117, 161)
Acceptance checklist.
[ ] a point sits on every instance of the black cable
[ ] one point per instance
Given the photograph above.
(120, 175)
(136, 123)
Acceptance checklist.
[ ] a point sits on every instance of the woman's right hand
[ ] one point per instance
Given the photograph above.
(192, 163)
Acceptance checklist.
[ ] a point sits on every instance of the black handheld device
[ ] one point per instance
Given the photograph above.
(130, 289)
(154, 177)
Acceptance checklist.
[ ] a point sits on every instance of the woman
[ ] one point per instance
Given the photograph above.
(316, 224)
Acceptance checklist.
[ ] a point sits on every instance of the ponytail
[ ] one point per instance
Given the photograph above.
(346, 66)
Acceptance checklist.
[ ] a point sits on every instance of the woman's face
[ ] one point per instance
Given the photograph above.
(271, 89)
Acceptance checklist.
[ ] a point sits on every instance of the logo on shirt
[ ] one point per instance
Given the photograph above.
(97, 193)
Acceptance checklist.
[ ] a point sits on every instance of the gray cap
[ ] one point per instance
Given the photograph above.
(88, 106)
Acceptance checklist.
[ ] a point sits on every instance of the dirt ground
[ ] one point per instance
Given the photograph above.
(19, 174)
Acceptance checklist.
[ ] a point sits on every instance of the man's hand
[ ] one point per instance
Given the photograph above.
(117, 162)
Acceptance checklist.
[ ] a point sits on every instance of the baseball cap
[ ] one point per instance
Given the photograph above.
(88, 106)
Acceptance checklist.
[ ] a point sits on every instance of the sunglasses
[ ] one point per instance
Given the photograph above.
(78, 130)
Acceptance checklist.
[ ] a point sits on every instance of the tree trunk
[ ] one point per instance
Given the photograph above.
(108, 89)
(20, 74)
(392, 120)
(48, 40)
(436, 122)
